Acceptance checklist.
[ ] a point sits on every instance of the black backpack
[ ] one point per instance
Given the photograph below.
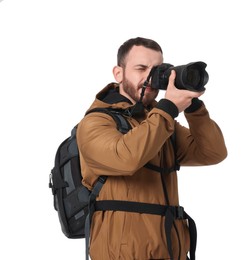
(72, 199)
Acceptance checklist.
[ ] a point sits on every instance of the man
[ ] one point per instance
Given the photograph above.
(135, 162)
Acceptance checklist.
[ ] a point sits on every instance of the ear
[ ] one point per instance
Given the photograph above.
(118, 73)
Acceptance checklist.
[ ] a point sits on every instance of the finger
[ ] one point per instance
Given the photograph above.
(172, 76)
(198, 94)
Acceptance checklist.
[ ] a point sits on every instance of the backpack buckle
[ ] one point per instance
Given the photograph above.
(51, 184)
(180, 212)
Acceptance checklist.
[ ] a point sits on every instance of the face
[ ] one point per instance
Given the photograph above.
(133, 74)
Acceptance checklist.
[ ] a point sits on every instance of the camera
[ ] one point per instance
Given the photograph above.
(192, 76)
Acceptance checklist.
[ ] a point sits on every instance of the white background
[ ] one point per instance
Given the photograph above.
(55, 55)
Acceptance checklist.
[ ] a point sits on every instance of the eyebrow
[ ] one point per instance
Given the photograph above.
(141, 66)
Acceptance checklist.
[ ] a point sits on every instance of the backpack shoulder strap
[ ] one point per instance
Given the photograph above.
(117, 114)
(123, 126)
(173, 141)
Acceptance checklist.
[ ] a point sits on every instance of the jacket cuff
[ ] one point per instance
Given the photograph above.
(169, 107)
(196, 104)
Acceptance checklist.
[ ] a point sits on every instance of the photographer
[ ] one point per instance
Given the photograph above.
(142, 164)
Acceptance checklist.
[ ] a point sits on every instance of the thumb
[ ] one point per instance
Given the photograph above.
(198, 94)
(172, 77)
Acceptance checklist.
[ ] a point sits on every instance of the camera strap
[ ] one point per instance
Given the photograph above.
(138, 108)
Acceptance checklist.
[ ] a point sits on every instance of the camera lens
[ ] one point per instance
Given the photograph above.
(193, 77)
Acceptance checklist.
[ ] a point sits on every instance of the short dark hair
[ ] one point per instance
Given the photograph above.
(139, 41)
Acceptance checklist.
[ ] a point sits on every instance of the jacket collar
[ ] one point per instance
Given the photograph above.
(110, 96)
(113, 96)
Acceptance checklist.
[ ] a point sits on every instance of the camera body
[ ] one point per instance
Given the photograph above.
(192, 76)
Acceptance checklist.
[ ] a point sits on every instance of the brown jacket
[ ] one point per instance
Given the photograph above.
(105, 151)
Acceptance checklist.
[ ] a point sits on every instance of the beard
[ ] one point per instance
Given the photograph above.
(134, 92)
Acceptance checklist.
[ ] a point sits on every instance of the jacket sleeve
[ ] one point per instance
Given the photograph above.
(203, 143)
(106, 151)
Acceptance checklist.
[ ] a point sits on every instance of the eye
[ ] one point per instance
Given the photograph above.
(142, 68)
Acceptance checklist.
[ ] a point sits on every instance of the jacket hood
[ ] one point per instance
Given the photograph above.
(109, 97)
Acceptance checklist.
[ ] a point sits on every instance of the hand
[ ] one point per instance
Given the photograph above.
(180, 97)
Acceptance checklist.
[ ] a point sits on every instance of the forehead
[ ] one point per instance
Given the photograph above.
(140, 55)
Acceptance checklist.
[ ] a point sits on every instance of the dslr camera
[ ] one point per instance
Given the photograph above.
(192, 76)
